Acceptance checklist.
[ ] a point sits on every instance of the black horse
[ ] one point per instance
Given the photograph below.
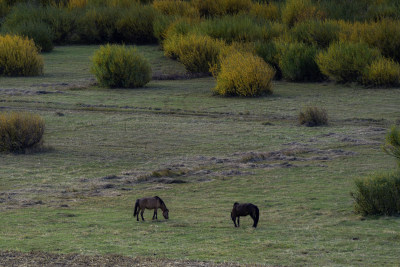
(244, 210)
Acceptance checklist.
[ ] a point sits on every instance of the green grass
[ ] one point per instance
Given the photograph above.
(307, 213)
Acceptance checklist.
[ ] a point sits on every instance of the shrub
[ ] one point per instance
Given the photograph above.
(266, 11)
(348, 10)
(197, 53)
(212, 8)
(316, 32)
(269, 52)
(20, 132)
(243, 74)
(120, 66)
(296, 11)
(313, 116)
(19, 57)
(378, 194)
(173, 34)
(392, 144)
(232, 29)
(176, 8)
(346, 62)
(76, 4)
(135, 25)
(382, 72)
(297, 63)
(40, 32)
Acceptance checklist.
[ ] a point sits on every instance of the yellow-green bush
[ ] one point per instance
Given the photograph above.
(77, 4)
(296, 11)
(313, 116)
(20, 132)
(176, 7)
(120, 66)
(267, 11)
(19, 57)
(346, 62)
(382, 72)
(173, 33)
(198, 53)
(244, 74)
(392, 143)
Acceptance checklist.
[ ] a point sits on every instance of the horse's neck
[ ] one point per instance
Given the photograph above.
(163, 207)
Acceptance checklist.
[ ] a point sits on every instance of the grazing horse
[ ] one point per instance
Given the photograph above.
(244, 210)
(150, 203)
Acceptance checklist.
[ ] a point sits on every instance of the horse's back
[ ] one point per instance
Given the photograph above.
(244, 209)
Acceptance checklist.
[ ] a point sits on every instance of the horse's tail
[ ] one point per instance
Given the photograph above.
(256, 213)
(136, 210)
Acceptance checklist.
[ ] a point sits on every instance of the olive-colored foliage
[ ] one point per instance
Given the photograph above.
(39, 32)
(120, 66)
(392, 143)
(297, 62)
(313, 116)
(175, 31)
(20, 132)
(176, 8)
(316, 32)
(382, 72)
(77, 4)
(296, 11)
(266, 11)
(19, 57)
(244, 74)
(269, 52)
(383, 34)
(198, 53)
(378, 194)
(213, 8)
(346, 62)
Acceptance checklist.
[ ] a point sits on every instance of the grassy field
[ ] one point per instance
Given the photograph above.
(103, 147)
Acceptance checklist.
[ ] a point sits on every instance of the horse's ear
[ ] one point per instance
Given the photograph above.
(236, 203)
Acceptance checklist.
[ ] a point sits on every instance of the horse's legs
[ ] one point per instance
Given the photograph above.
(141, 214)
(238, 221)
(155, 214)
(137, 215)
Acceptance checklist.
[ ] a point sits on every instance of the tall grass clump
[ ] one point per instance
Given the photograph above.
(346, 62)
(313, 116)
(382, 72)
(120, 66)
(392, 143)
(378, 194)
(296, 11)
(19, 57)
(20, 132)
(214, 8)
(297, 62)
(265, 11)
(244, 74)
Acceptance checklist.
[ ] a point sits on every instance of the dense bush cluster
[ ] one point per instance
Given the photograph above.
(19, 57)
(300, 39)
(120, 66)
(20, 132)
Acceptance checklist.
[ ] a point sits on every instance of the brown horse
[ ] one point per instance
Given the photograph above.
(244, 210)
(150, 203)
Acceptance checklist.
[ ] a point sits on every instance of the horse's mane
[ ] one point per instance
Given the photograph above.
(159, 199)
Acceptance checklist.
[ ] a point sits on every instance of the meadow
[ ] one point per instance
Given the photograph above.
(200, 153)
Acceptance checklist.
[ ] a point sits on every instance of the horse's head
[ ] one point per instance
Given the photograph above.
(165, 213)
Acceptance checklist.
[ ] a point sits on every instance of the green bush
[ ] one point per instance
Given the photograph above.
(382, 72)
(378, 194)
(198, 53)
(348, 10)
(313, 116)
(296, 11)
(266, 11)
(20, 132)
(120, 66)
(40, 32)
(297, 62)
(269, 52)
(316, 32)
(237, 28)
(213, 8)
(392, 144)
(176, 8)
(346, 62)
(19, 57)
(243, 74)
(135, 25)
